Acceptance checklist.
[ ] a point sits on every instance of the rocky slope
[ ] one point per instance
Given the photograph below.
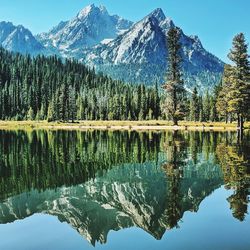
(139, 55)
(93, 25)
(134, 53)
(19, 39)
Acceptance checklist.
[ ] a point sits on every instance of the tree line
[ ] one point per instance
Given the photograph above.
(43, 88)
(48, 88)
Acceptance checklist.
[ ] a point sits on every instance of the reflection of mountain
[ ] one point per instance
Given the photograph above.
(101, 181)
(131, 195)
(55, 159)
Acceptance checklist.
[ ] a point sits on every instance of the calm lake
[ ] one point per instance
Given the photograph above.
(124, 190)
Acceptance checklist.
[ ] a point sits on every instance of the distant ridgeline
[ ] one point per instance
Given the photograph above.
(134, 52)
(46, 88)
(118, 179)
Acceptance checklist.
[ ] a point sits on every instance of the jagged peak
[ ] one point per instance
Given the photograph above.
(90, 9)
(16, 28)
(6, 23)
(158, 14)
(169, 22)
(85, 11)
(150, 20)
(102, 8)
(195, 37)
(19, 27)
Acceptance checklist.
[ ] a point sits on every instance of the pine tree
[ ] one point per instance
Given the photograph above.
(194, 106)
(206, 107)
(214, 111)
(174, 87)
(72, 104)
(80, 109)
(156, 103)
(52, 116)
(30, 114)
(201, 113)
(239, 91)
(222, 100)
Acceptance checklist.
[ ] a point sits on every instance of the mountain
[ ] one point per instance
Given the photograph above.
(92, 25)
(133, 52)
(19, 39)
(139, 55)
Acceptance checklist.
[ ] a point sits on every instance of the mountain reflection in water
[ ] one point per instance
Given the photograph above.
(100, 181)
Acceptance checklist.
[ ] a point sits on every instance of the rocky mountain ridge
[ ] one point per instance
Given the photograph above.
(133, 52)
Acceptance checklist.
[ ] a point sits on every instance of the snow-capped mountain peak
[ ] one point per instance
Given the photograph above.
(86, 11)
(140, 55)
(158, 14)
(118, 47)
(19, 39)
(92, 10)
(138, 45)
(103, 8)
(90, 27)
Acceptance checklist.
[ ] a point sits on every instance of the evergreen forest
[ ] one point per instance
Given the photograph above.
(52, 89)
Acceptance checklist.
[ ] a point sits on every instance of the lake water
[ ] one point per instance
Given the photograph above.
(124, 190)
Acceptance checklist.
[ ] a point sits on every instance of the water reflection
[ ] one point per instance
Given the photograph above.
(101, 181)
(234, 159)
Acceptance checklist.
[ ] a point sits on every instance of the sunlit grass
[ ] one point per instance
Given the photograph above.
(157, 124)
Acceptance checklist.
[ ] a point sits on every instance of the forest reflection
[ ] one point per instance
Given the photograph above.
(234, 159)
(158, 175)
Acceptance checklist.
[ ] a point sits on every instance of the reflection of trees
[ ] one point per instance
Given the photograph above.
(191, 171)
(239, 202)
(176, 150)
(42, 160)
(235, 163)
(152, 195)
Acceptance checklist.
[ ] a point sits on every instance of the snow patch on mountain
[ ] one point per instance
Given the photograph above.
(19, 39)
(132, 52)
(93, 25)
(140, 55)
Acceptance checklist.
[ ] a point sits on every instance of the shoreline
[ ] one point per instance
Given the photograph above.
(119, 125)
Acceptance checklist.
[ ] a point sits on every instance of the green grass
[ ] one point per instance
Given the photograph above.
(109, 124)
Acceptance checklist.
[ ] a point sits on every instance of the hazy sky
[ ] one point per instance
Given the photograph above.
(214, 21)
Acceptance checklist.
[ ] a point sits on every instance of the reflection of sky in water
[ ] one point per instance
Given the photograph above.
(213, 227)
(143, 193)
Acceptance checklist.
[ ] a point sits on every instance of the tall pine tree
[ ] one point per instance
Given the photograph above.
(174, 86)
(194, 106)
(238, 93)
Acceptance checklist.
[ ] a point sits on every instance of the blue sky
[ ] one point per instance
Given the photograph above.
(214, 21)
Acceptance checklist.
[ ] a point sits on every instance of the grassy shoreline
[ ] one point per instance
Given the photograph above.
(120, 125)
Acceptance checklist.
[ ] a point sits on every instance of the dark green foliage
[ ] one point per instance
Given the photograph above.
(46, 88)
(234, 97)
(175, 92)
(65, 158)
(194, 106)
